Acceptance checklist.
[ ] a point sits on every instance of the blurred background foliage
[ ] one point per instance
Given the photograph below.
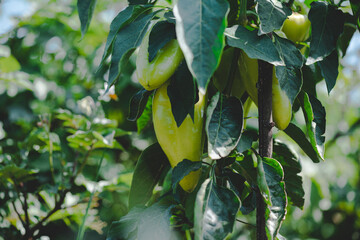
(57, 128)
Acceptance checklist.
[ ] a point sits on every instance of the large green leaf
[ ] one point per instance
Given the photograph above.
(271, 184)
(299, 137)
(314, 114)
(85, 9)
(272, 14)
(138, 103)
(145, 223)
(327, 23)
(215, 211)
(181, 92)
(150, 166)
(200, 29)
(329, 69)
(224, 124)
(257, 47)
(292, 168)
(125, 43)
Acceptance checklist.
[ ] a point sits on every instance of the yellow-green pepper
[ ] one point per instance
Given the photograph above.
(179, 143)
(221, 75)
(281, 106)
(152, 75)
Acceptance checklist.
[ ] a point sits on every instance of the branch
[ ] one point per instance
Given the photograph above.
(265, 135)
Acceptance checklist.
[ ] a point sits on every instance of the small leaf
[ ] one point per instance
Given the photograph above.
(85, 9)
(151, 164)
(181, 93)
(200, 29)
(145, 117)
(299, 137)
(224, 125)
(160, 35)
(246, 140)
(292, 168)
(215, 211)
(261, 47)
(314, 114)
(329, 69)
(15, 174)
(182, 169)
(272, 176)
(9, 64)
(272, 14)
(355, 6)
(138, 103)
(327, 23)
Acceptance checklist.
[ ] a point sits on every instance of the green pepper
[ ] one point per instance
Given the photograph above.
(281, 106)
(152, 75)
(221, 75)
(179, 143)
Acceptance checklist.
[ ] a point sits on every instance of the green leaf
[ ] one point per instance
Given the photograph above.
(126, 227)
(200, 29)
(292, 168)
(138, 103)
(314, 114)
(261, 47)
(349, 30)
(327, 23)
(246, 140)
(224, 124)
(290, 77)
(9, 64)
(85, 9)
(311, 76)
(161, 33)
(329, 69)
(215, 211)
(182, 169)
(271, 184)
(124, 17)
(125, 43)
(290, 80)
(234, 12)
(145, 223)
(15, 174)
(145, 117)
(181, 92)
(299, 137)
(246, 167)
(355, 6)
(272, 14)
(151, 164)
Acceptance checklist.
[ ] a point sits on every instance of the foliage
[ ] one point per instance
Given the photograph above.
(70, 160)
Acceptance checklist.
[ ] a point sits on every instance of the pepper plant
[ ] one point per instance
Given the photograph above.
(235, 168)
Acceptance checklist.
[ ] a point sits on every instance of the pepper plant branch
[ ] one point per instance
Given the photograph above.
(265, 135)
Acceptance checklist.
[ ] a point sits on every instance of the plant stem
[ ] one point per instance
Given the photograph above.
(265, 135)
